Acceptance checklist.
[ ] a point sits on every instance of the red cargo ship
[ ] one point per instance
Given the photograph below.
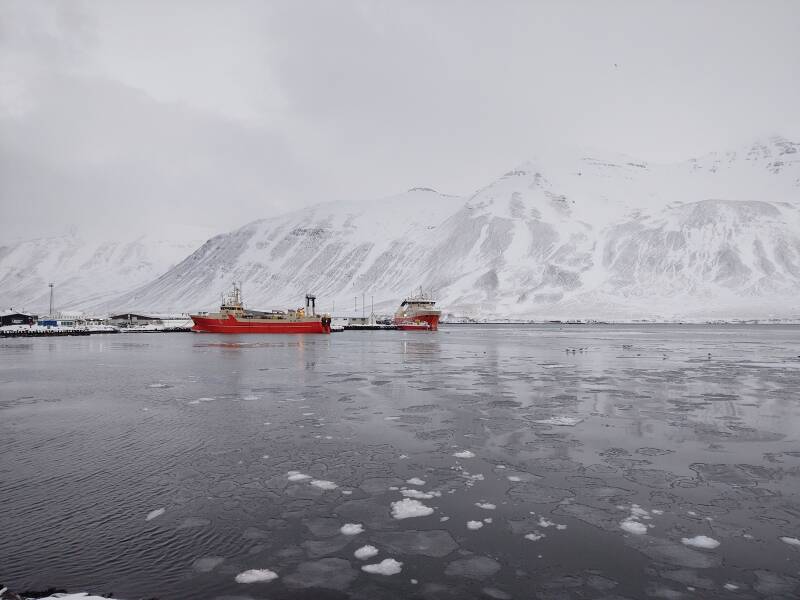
(417, 313)
(233, 317)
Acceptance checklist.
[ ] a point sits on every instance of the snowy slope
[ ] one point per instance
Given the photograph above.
(586, 236)
(84, 272)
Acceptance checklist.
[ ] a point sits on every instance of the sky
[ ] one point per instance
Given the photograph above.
(197, 117)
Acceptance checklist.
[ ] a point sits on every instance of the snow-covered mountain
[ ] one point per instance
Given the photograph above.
(84, 272)
(593, 236)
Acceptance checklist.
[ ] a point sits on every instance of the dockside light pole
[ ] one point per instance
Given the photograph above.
(51, 298)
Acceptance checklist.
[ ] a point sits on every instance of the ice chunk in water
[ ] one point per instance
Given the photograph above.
(255, 575)
(535, 536)
(791, 541)
(464, 454)
(418, 494)
(352, 528)
(297, 476)
(486, 505)
(474, 525)
(365, 552)
(323, 484)
(415, 481)
(634, 527)
(701, 541)
(388, 566)
(154, 514)
(407, 508)
(561, 421)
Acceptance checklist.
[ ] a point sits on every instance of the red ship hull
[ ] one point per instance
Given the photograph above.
(431, 322)
(211, 324)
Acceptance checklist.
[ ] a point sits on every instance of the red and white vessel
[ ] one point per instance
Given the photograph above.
(417, 313)
(233, 317)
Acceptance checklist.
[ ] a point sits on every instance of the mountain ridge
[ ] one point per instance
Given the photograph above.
(561, 236)
(717, 235)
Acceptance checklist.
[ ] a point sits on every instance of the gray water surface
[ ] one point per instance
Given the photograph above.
(606, 458)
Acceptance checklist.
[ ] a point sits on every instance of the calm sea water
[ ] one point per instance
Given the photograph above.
(612, 459)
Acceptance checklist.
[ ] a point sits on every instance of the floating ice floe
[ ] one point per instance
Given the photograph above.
(388, 566)
(250, 397)
(408, 508)
(154, 514)
(365, 552)
(323, 484)
(157, 385)
(488, 520)
(634, 527)
(535, 536)
(790, 540)
(415, 481)
(464, 454)
(514, 478)
(474, 525)
(486, 505)
(297, 476)
(562, 421)
(700, 541)
(731, 587)
(76, 596)
(256, 575)
(352, 528)
(420, 495)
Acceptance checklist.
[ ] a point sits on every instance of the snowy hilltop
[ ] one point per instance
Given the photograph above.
(584, 237)
(84, 272)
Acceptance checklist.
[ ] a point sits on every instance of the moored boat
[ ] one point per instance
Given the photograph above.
(233, 317)
(418, 313)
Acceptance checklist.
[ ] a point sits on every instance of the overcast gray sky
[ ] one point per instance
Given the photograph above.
(217, 113)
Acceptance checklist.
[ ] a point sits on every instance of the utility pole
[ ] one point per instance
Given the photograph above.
(362, 305)
(372, 309)
(51, 298)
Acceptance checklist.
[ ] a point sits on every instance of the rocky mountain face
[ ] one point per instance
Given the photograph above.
(604, 237)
